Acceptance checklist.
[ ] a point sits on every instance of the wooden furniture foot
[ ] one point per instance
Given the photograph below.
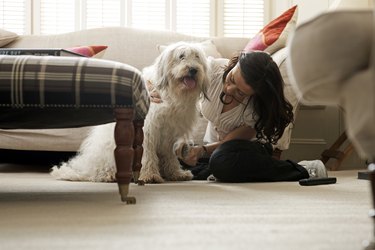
(124, 191)
(124, 152)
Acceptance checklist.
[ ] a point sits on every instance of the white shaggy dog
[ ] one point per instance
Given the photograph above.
(180, 76)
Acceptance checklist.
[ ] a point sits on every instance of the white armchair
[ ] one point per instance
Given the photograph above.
(332, 62)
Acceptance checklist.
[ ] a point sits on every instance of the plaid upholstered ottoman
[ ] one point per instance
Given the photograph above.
(39, 92)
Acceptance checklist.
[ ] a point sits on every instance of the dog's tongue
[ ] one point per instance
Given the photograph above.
(189, 82)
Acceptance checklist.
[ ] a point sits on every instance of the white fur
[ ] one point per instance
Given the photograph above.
(165, 123)
(95, 160)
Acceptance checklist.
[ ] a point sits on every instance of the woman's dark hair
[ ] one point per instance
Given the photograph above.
(272, 110)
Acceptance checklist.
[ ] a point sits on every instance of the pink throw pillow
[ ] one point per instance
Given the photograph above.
(88, 51)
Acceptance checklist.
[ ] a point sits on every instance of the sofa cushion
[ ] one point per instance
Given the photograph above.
(7, 37)
(275, 34)
(43, 139)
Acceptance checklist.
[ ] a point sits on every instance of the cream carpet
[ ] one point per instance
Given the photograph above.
(38, 212)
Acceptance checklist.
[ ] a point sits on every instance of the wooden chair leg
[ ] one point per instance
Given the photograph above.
(124, 152)
(335, 152)
(329, 153)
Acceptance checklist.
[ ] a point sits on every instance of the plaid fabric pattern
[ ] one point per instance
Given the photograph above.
(48, 82)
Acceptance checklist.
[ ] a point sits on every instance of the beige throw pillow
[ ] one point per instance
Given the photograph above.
(7, 37)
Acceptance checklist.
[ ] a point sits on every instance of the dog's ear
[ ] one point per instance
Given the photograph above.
(161, 74)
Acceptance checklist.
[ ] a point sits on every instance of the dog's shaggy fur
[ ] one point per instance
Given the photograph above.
(180, 76)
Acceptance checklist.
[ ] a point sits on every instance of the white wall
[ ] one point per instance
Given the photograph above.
(310, 8)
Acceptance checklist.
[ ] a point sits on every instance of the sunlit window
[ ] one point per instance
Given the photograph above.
(148, 14)
(101, 13)
(242, 17)
(13, 16)
(231, 18)
(193, 17)
(57, 16)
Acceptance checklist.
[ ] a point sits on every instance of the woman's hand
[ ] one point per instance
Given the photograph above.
(154, 95)
(193, 156)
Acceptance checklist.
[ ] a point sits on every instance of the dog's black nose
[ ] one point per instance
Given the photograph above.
(193, 71)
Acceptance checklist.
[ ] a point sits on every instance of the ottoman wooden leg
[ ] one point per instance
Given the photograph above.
(138, 149)
(124, 152)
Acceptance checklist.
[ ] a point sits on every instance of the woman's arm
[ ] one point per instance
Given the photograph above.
(244, 133)
(196, 152)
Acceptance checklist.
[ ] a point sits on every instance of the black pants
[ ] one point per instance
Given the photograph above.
(247, 161)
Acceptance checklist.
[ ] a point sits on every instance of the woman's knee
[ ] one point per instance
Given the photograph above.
(223, 165)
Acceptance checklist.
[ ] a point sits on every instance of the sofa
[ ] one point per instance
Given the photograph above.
(137, 48)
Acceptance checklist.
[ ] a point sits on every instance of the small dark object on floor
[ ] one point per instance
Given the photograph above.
(364, 175)
(317, 181)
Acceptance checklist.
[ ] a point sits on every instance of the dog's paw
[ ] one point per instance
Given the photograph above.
(153, 178)
(181, 175)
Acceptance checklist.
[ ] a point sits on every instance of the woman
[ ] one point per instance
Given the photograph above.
(247, 112)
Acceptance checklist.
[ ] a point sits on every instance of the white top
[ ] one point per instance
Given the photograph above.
(220, 124)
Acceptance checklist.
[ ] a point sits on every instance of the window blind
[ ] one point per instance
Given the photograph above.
(100, 13)
(193, 17)
(13, 15)
(57, 16)
(242, 18)
(230, 18)
(148, 14)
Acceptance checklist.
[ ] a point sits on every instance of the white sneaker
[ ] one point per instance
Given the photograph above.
(211, 178)
(316, 168)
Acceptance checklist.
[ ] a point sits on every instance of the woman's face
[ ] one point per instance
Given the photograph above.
(235, 85)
